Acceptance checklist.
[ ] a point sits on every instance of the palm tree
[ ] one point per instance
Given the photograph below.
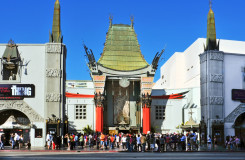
(88, 130)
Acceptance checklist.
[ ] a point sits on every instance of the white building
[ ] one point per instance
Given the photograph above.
(32, 87)
(182, 73)
(80, 107)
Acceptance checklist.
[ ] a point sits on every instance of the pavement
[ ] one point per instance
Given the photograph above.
(122, 155)
(87, 149)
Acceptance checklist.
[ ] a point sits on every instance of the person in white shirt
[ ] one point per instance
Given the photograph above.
(117, 140)
(17, 138)
(124, 140)
(139, 148)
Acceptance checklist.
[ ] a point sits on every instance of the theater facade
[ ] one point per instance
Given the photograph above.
(32, 87)
(123, 81)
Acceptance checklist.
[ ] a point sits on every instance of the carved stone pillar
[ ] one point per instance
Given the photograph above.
(99, 99)
(212, 98)
(146, 107)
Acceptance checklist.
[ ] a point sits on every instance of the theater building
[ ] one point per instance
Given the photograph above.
(32, 86)
(213, 75)
(123, 81)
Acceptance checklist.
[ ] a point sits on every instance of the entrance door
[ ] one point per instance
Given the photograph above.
(240, 128)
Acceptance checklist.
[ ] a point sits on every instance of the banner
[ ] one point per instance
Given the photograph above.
(16, 91)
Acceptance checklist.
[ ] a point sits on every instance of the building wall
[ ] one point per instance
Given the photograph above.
(37, 61)
(80, 87)
(182, 71)
(177, 110)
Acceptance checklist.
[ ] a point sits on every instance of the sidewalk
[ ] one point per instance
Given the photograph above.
(87, 149)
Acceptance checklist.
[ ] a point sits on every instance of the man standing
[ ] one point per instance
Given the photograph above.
(2, 139)
(143, 142)
(139, 147)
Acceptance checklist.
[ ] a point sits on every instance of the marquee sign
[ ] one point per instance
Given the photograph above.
(16, 91)
(238, 94)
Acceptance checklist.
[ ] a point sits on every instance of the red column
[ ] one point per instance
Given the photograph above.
(146, 119)
(99, 119)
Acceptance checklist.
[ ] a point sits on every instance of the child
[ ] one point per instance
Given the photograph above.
(28, 145)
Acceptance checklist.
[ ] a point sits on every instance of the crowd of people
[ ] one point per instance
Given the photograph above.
(16, 141)
(232, 143)
(128, 142)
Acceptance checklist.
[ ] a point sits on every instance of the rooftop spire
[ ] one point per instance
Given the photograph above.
(56, 36)
(211, 43)
(132, 21)
(110, 18)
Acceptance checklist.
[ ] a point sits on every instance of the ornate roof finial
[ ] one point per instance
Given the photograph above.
(110, 18)
(211, 43)
(132, 21)
(56, 36)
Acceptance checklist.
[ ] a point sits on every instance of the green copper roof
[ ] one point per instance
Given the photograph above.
(122, 51)
(211, 32)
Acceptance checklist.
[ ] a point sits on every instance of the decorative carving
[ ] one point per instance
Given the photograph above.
(235, 113)
(124, 82)
(53, 97)
(23, 107)
(53, 48)
(99, 99)
(216, 100)
(203, 57)
(146, 100)
(219, 56)
(52, 72)
(216, 78)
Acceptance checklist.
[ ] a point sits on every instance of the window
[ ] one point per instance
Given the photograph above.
(38, 133)
(160, 112)
(81, 111)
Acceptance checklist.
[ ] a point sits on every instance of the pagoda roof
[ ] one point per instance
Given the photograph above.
(122, 51)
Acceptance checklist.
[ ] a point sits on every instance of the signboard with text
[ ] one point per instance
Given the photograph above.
(238, 94)
(16, 91)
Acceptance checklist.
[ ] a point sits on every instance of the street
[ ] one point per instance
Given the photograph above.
(123, 155)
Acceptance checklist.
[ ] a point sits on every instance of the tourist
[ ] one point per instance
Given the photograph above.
(102, 140)
(148, 141)
(182, 141)
(158, 143)
(237, 141)
(2, 140)
(72, 142)
(76, 140)
(28, 145)
(167, 140)
(124, 142)
(139, 147)
(162, 143)
(21, 141)
(48, 138)
(152, 142)
(117, 141)
(209, 142)
(112, 140)
(81, 140)
(17, 138)
(12, 140)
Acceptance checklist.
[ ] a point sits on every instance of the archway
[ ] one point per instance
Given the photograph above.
(239, 126)
(13, 121)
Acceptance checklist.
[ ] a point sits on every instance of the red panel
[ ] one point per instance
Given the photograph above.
(146, 119)
(99, 119)
(73, 95)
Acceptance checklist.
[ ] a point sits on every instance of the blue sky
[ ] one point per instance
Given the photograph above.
(175, 24)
